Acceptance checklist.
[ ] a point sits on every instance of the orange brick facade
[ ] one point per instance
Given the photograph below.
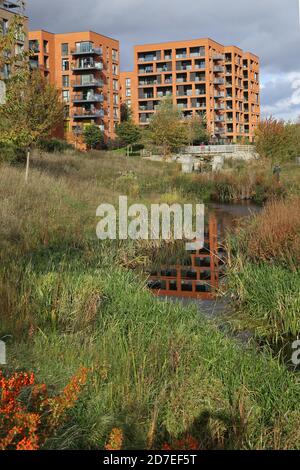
(85, 66)
(205, 78)
(8, 10)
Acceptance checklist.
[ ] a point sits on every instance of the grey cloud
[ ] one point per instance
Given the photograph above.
(268, 28)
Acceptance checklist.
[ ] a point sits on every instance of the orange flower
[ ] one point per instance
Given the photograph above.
(115, 440)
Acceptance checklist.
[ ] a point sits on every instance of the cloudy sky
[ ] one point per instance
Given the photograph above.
(268, 28)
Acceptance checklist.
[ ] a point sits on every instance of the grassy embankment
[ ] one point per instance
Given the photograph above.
(157, 370)
(265, 275)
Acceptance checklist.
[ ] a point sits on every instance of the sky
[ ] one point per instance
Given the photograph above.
(268, 28)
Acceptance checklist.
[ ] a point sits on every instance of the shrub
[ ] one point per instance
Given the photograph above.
(26, 425)
(10, 153)
(93, 137)
(55, 146)
(274, 233)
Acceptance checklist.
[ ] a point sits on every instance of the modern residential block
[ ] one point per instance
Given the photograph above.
(128, 89)
(205, 78)
(85, 66)
(8, 10)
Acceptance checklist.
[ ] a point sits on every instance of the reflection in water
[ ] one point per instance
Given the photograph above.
(229, 215)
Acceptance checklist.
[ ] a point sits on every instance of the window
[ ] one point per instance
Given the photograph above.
(115, 69)
(116, 100)
(115, 85)
(128, 92)
(65, 65)
(64, 49)
(85, 46)
(66, 96)
(128, 102)
(65, 81)
(46, 47)
(4, 27)
(115, 55)
(128, 82)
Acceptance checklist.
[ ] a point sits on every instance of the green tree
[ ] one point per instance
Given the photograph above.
(126, 114)
(93, 136)
(128, 133)
(197, 131)
(277, 141)
(32, 111)
(167, 129)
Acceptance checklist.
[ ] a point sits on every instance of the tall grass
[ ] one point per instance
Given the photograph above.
(156, 369)
(265, 272)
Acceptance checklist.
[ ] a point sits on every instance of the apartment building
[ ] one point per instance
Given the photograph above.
(8, 10)
(85, 66)
(128, 90)
(204, 78)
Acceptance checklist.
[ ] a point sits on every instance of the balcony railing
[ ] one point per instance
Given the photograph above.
(87, 49)
(88, 114)
(185, 93)
(218, 57)
(87, 66)
(11, 5)
(218, 68)
(88, 98)
(219, 81)
(93, 82)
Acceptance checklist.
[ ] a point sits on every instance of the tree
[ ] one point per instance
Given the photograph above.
(197, 131)
(126, 113)
(32, 111)
(93, 137)
(167, 129)
(277, 141)
(128, 133)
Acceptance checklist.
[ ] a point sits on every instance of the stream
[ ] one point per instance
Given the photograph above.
(228, 217)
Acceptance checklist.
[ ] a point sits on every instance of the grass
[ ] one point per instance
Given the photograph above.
(158, 370)
(264, 275)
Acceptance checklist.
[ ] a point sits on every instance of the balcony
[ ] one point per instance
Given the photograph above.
(148, 58)
(197, 52)
(88, 114)
(11, 5)
(81, 66)
(145, 96)
(162, 94)
(34, 47)
(183, 67)
(200, 91)
(218, 57)
(87, 98)
(219, 68)
(92, 82)
(219, 119)
(219, 94)
(87, 50)
(200, 65)
(185, 93)
(219, 81)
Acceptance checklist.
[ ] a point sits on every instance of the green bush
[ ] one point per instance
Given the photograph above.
(11, 154)
(55, 146)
